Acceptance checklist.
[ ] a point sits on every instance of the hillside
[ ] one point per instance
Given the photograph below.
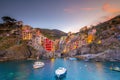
(12, 44)
(111, 25)
(52, 34)
(105, 43)
(105, 40)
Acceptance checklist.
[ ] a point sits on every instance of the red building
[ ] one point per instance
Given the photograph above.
(48, 44)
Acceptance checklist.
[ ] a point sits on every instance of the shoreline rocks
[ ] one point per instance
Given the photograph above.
(108, 55)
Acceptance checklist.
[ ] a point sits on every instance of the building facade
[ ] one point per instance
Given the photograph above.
(26, 32)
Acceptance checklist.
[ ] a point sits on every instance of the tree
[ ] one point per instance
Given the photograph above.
(8, 19)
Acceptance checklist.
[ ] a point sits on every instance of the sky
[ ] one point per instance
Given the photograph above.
(65, 15)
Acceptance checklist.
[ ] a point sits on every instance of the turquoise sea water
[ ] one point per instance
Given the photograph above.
(76, 70)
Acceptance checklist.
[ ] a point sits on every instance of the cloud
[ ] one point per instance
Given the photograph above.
(110, 8)
(74, 9)
(88, 9)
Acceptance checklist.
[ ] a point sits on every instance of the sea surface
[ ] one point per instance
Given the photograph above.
(76, 70)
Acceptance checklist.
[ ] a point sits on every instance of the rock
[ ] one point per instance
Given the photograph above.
(57, 54)
(80, 57)
(48, 55)
(72, 53)
(109, 55)
(84, 50)
(2, 53)
(17, 52)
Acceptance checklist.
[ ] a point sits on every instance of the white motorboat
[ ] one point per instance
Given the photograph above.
(38, 64)
(61, 72)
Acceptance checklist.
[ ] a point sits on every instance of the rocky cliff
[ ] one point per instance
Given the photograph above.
(13, 47)
(108, 55)
(106, 42)
(17, 52)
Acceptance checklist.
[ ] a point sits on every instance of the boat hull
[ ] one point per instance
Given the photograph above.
(115, 69)
(61, 75)
(61, 72)
(38, 65)
(72, 59)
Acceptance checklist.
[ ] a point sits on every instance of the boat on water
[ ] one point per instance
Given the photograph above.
(115, 69)
(61, 72)
(38, 64)
(72, 58)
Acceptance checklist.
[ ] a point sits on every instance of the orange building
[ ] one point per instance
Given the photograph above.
(26, 32)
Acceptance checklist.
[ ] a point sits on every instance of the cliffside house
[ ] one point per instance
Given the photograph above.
(48, 44)
(26, 32)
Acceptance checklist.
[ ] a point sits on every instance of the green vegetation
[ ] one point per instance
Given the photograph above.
(52, 34)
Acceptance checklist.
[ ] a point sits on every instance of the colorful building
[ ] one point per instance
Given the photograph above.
(48, 44)
(37, 39)
(37, 35)
(91, 36)
(26, 32)
(56, 44)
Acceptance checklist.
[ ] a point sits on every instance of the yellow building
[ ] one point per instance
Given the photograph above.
(90, 38)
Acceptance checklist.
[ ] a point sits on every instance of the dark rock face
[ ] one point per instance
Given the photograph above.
(21, 52)
(17, 52)
(2, 53)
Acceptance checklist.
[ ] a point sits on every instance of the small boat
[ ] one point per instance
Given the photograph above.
(61, 72)
(72, 58)
(115, 68)
(38, 64)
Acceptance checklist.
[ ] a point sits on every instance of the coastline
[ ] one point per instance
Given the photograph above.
(102, 57)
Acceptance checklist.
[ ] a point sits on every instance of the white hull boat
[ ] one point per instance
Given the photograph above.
(38, 64)
(61, 72)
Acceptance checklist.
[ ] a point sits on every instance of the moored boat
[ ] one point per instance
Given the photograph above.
(72, 58)
(60, 72)
(38, 64)
(115, 68)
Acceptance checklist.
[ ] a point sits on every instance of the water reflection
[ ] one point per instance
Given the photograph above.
(99, 67)
(52, 60)
(76, 70)
(22, 72)
(60, 78)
